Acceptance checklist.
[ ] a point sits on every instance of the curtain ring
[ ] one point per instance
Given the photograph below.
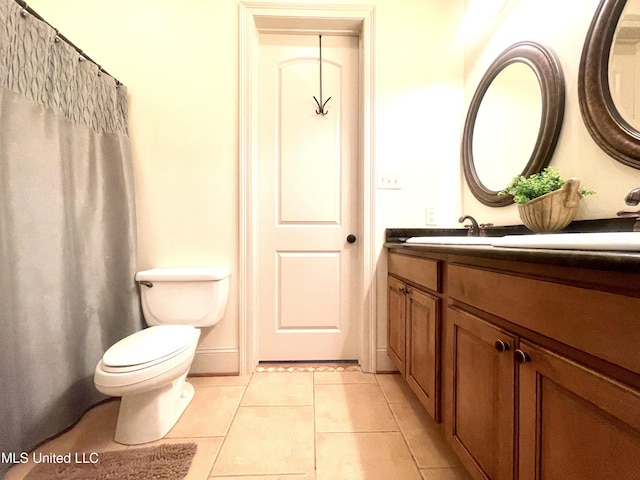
(23, 13)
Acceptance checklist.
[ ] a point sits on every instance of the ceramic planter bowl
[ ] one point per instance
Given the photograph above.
(553, 211)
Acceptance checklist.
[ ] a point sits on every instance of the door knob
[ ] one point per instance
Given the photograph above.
(351, 238)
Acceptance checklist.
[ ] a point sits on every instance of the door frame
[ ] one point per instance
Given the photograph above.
(298, 18)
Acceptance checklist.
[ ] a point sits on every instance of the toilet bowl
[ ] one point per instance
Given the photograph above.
(149, 368)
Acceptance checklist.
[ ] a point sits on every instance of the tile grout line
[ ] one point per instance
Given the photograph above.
(400, 429)
(315, 431)
(226, 434)
(404, 437)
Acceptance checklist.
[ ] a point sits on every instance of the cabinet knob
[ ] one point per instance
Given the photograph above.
(502, 346)
(521, 357)
(351, 238)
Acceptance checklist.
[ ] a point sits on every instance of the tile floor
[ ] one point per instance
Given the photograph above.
(291, 425)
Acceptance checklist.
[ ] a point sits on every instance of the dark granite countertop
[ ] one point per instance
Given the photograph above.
(620, 261)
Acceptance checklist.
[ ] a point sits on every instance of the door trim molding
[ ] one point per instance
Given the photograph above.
(277, 17)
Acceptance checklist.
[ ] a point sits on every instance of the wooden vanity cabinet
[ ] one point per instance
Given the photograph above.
(540, 365)
(413, 326)
(397, 323)
(482, 414)
(422, 365)
(541, 409)
(573, 421)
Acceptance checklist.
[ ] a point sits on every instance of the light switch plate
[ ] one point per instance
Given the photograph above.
(389, 180)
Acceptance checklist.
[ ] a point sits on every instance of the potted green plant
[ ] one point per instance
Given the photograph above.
(546, 202)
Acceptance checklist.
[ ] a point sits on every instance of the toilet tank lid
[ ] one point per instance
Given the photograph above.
(148, 345)
(183, 274)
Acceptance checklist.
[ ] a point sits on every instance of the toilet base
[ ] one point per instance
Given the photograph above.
(148, 416)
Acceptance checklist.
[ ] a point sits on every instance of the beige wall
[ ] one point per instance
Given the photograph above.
(418, 122)
(179, 60)
(562, 26)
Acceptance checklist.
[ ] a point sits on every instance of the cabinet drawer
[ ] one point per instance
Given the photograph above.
(602, 324)
(421, 271)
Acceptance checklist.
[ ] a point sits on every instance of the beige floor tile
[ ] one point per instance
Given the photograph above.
(269, 419)
(354, 407)
(96, 430)
(294, 476)
(239, 380)
(279, 389)
(425, 440)
(364, 456)
(268, 441)
(445, 474)
(208, 448)
(18, 471)
(395, 388)
(343, 377)
(210, 412)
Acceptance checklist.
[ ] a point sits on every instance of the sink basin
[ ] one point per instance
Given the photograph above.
(452, 240)
(629, 241)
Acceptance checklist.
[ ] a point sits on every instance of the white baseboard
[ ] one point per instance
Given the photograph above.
(383, 362)
(216, 361)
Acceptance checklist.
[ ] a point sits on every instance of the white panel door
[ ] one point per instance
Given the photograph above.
(308, 198)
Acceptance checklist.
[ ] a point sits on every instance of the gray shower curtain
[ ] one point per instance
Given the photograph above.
(67, 230)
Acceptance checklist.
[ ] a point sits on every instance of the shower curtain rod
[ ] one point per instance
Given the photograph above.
(27, 8)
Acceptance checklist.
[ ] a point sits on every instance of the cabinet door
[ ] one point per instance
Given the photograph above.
(423, 348)
(396, 327)
(574, 422)
(483, 395)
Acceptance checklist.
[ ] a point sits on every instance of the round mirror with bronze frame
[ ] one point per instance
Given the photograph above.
(603, 120)
(546, 68)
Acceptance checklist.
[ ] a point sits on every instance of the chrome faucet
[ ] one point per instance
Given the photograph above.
(632, 199)
(474, 228)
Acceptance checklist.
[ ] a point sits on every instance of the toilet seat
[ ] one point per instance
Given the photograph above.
(147, 347)
(146, 354)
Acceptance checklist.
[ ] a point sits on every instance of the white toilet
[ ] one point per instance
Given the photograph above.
(148, 369)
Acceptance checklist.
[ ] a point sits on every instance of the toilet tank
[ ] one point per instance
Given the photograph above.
(184, 296)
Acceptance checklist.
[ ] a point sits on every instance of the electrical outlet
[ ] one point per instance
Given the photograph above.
(431, 216)
(389, 180)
